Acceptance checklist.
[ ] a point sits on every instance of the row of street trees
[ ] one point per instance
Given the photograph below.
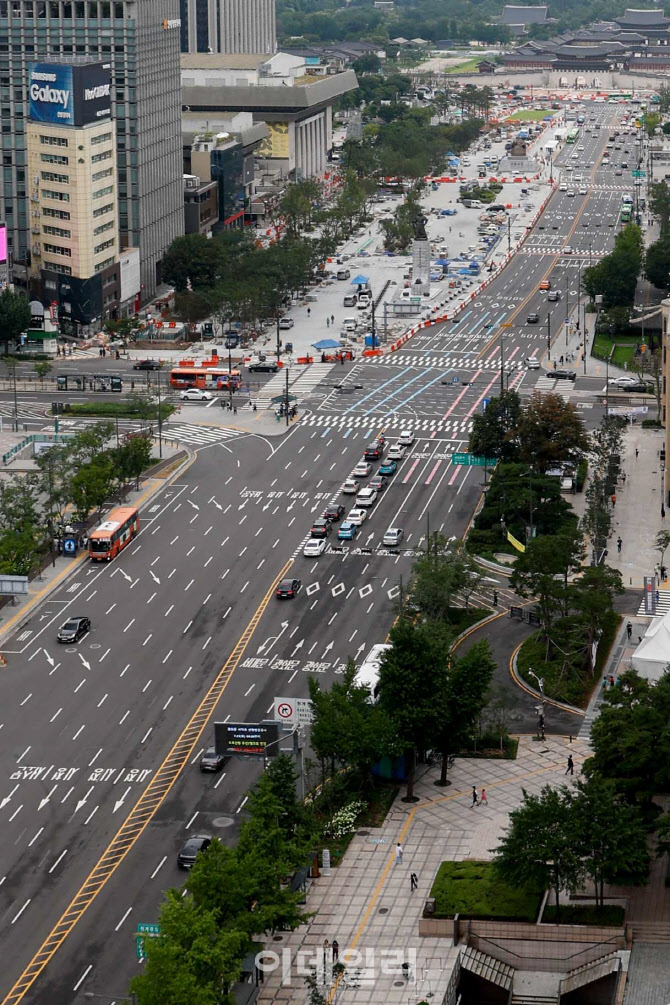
(615, 276)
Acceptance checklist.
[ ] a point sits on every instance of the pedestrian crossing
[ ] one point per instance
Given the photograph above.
(302, 380)
(662, 605)
(200, 436)
(310, 377)
(446, 362)
(458, 427)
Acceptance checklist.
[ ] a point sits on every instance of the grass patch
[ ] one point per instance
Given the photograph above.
(489, 747)
(122, 410)
(467, 67)
(529, 115)
(624, 349)
(565, 679)
(461, 619)
(473, 890)
(608, 916)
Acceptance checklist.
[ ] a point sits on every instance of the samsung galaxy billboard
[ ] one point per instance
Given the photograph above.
(67, 94)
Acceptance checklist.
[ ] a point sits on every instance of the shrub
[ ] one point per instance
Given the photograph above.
(344, 821)
(474, 890)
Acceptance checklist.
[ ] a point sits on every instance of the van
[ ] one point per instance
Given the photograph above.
(472, 203)
(350, 300)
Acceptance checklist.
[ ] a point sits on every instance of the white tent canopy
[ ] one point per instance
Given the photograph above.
(652, 656)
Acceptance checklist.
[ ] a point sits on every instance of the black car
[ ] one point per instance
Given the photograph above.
(288, 588)
(373, 451)
(147, 364)
(334, 513)
(263, 366)
(562, 374)
(74, 629)
(190, 850)
(532, 319)
(211, 761)
(321, 527)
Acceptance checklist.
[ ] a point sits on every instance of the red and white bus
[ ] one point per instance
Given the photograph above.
(207, 378)
(118, 530)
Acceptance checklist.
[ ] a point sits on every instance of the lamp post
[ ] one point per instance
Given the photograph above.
(663, 490)
(132, 997)
(541, 708)
(579, 294)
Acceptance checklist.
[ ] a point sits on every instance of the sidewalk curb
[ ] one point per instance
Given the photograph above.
(24, 612)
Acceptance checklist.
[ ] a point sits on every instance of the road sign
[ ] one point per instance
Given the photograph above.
(246, 739)
(145, 929)
(293, 711)
(13, 585)
(567, 321)
(639, 174)
(473, 461)
(485, 403)
(454, 380)
(139, 947)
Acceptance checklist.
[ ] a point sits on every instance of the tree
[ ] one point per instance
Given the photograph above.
(663, 94)
(412, 673)
(539, 845)
(466, 685)
(192, 261)
(369, 63)
(14, 317)
(42, 368)
(92, 485)
(659, 204)
(296, 205)
(657, 263)
(23, 535)
(536, 573)
(494, 431)
(122, 328)
(551, 432)
(592, 595)
(132, 457)
(610, 836)
(661, 543)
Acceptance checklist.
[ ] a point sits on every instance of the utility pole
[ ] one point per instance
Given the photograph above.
(286, 397)
(160, 418)
(548, 335)
(509, 234)
(502, 364)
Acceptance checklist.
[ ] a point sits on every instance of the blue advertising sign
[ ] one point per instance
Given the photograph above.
(51, 93)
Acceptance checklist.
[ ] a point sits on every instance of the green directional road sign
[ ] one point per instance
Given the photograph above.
(139, 947)
(639, 174)
(146, 929)
(473, 461)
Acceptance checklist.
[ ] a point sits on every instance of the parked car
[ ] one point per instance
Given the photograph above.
(286, 323)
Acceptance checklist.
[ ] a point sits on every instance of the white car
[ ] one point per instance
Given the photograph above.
(314, 547)
(393, 537)
(286, 323)
(567, 250)
(356, 516)
(397, 452)
(562, 187)
(583, 190)
(362, 470)
(350, 487)
(195, 394)
(570, 193)
(406, 437)
(625, 381)
(366, 498)
(532, 362)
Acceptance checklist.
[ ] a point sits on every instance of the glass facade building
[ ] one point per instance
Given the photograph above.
(141, 41)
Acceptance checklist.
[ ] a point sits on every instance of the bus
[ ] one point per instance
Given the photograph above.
(205, 377)
(367, 674)
(118, 530)
(626, 213)
(572, 136)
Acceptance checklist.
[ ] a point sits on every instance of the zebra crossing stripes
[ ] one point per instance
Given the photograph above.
(446, 362)
(199, 435)
(458, 427)
(662, 605)
(300, 383)
(310, 376)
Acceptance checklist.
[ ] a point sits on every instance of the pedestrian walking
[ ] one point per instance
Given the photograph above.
(663, 573)
(619, 542)
(657, 597)
(613, 499)
(475, 797)
(336, 950)
(623, 477)
(570, 770)
(332, 319)
(327, 322)
(398, 853)
(636, 453)
(309, 311)
(495, 598)
(629, 629)
(413, 882)
(254, 406)
(484, 799)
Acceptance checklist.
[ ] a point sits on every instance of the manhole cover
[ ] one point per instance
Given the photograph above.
(398, 984)
(383, 910)
(222, 822)
(363, 834)
(277, 938)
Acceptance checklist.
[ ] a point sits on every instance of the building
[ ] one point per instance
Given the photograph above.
(517, 19)
(201, 205)
(296, 106)
(226, 160)
(73, 190)
(140, 41)
(228, 26)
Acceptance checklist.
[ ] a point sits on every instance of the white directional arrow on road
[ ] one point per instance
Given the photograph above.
(83, 801)
(298, 645)
(191, 503)
(50, 660)
(125, 575)
(46, 799)
(121, 801)
(328, 648)
(218, 505)
(362, 646)
(4, 802)
(273, 638)
(85, 662)
(154, 577)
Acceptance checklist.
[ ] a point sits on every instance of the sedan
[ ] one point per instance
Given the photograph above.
(356, 516)
(583, 190)
(191, 849)
(147, 364)
(362, 469)
(333, 513)
(211, 761)
(567, 250)
(618, 172)
(347, 531)
(288, 588)
(74, 629)
(562, 374)
(406, 437)
(320, 528)
(286, 323)
(532, 319)
(350, 487)
(315, 547)
(378, 483)
(624, 381)
(263, 366)
(393, 537)
(397, 452)
(195, 394)
(532, 362)
(388, 468)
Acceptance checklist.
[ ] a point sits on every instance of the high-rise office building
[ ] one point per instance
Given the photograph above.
(140, 39)
(229, 26)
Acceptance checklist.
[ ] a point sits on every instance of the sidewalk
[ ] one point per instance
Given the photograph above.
(367, 904)
(55, 575)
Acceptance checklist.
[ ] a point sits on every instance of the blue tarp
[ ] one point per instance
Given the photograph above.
(359, 280)
(327, 343)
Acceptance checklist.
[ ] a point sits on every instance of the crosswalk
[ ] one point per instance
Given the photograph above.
(201, 436)
(302, 381)
(458, 428)
(662, 605)
(446, 362)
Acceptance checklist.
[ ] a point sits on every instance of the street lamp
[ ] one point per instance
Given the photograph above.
(132, 997)
(540, 684)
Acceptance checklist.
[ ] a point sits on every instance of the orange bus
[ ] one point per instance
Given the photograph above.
(120, 527)
(206, 378)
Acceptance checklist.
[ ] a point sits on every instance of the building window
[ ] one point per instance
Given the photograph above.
(104, 209)
(102, 138)
(56, 214)
(65, 270)
(107, 173)
(56, 231)
(54, 159)
(103, 247)
(103, 227)
(54, 141)
(56, 249)
(62, 179)
(60, 196)
(103, 191)
(104, 156)
(103, 265)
